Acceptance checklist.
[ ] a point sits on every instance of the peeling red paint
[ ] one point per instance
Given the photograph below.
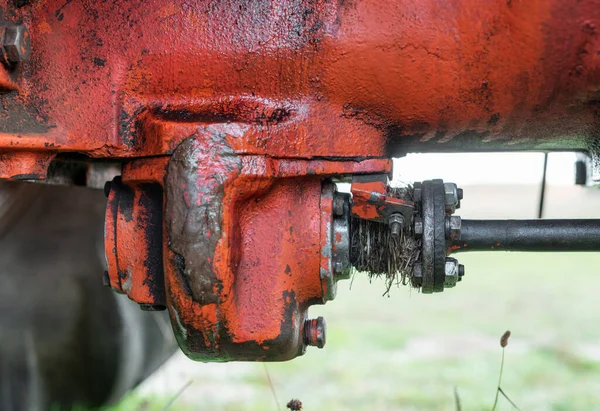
(296, 92)
(272, 221)
(331, 79)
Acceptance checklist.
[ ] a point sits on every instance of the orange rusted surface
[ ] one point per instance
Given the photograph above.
(24, 165)
(245, 248)
(303, 79)
(133, 241)
(242, 246)
(133, 232)
(231, 115)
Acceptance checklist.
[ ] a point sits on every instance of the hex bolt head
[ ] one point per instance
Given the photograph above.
(453, 226)
(314, 332)
(396, 223)
(16, 44)
(418, 227)
(451, 272)
(451, 195)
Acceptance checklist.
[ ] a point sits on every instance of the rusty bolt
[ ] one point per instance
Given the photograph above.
(314, 332)
(16, 44)
(453, 225)
(451, 272)
(396, 222)
(418, 227)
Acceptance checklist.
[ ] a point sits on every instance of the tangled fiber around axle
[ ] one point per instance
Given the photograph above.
(375, 251)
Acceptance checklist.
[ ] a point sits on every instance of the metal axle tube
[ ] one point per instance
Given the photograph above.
(528, 235)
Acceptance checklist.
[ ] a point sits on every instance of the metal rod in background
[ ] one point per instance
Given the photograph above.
(543, 188)
(528, 235)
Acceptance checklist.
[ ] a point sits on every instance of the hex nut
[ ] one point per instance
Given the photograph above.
(451, 194)
(396, 223)
(454, 229)
(418, 227)
(17, 44)
(451, 272)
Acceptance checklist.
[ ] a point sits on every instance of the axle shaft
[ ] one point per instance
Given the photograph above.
(528, 235)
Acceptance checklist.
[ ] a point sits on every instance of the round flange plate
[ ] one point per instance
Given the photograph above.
(434, 236)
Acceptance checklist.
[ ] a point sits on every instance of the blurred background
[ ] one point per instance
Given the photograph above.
(411, 351)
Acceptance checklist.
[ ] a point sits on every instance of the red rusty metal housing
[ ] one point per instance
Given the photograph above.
(230, 116)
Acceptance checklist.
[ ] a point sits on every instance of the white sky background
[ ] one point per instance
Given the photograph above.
(486, 168)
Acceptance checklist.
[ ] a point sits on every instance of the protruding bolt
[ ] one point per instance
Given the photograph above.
(451, 195)
(453, 226)
(461, 272)
(106, 279)
(396, 222)
(452, 272)
(418, 227)
(459, 192)
(314, 332)
(16, 44)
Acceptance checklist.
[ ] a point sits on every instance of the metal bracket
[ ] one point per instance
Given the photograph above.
(371, 200)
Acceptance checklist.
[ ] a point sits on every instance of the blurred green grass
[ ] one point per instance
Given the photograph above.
(409, 351)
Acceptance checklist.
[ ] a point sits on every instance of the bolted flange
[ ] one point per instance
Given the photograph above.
(436, 227)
